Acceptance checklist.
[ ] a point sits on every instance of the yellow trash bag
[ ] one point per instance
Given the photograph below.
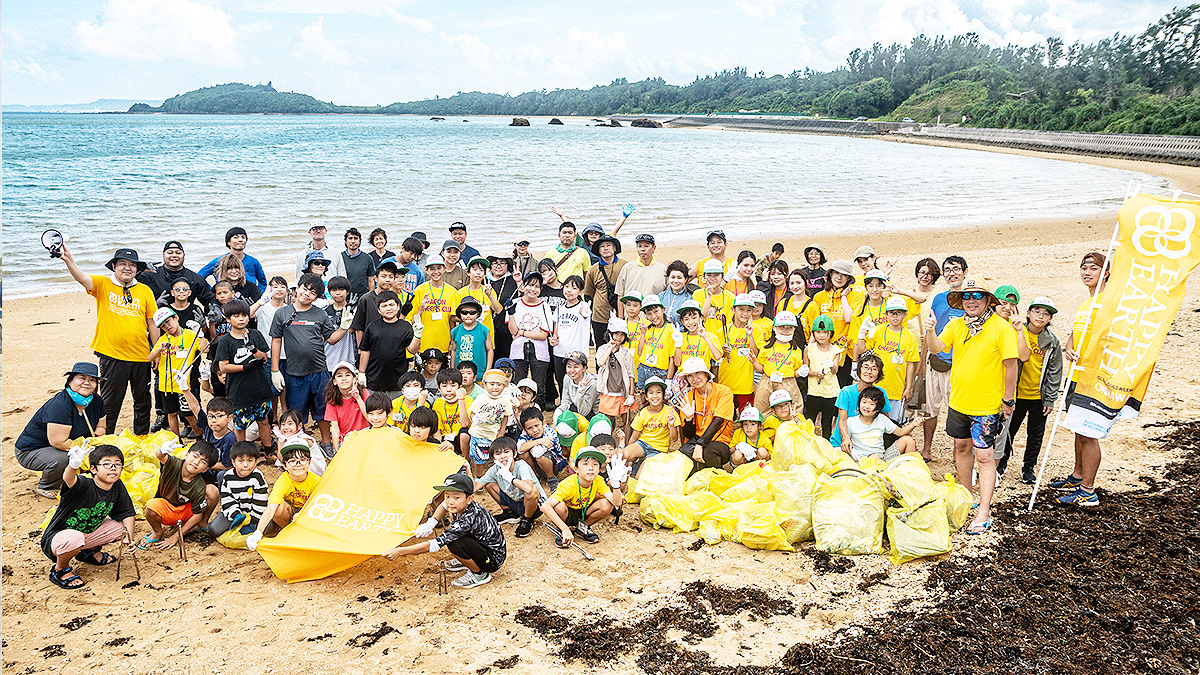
(848, 514)
(793, 491)
(907, 479)
(722, 481)
(784, 448)
(757, 488)
(667, 511)
(722, 524)
(631, 495)
(958, 501)
(758, 528)
(233, 538)
(916, 533)
(872, 463)
(701, 504)
(664, 474)
(699, 481)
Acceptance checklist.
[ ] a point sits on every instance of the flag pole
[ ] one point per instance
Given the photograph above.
(1061, 403)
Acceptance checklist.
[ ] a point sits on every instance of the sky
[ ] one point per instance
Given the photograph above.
(366, 52)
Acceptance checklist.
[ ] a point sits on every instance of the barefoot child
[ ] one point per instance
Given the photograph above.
(582, 500)
(749, 442)
(289, 494)
(512, 484)
(182, 497)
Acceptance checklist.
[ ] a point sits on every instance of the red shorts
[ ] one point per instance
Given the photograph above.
(168, 512)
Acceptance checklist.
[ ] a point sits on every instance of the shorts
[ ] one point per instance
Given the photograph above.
(65, 541)
(645, 372)
(612, 405)
(517, 506)
(471, 549)
(559, 461)
(306, 394)
(173, 404)
(168, 512)
(480, 450)
(937, 391)
(244, 417)
(574, 517)
(981, 429)
(647, 451)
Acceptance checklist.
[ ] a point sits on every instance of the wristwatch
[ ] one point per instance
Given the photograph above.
(1008, 402)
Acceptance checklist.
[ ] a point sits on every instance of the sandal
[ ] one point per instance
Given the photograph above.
(146, 541)
(64, 579)
(983, 527)
(89, 556)
(48, 494)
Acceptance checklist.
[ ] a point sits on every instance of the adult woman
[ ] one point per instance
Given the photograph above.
(814, 273)
(707, 411)
(505, 286)
(230, 269)
(529, 322)
(676, 293)
(378, 241)
(743, 274)
(840, 302)
(775, 287)
(74, 412)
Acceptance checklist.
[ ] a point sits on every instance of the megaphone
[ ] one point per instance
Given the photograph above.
(53, 241)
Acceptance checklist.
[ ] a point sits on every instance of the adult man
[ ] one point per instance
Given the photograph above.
(644, 275)
(983, 386)
(764, 265)
(356, 266)
(937, 374)
(304, 330)
(235, 241)
(569, 260)
(316, 230)
(124, 332)
(716, 251)
(456, 274)
(458, 232)
(600, 284)
(160, 279)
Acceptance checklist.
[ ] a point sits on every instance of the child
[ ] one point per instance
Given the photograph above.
(470, 340)
(482, 292)
(446, 407)
(572, 327)
(386, 342)
(866, 430)
(870, 372)
(470, 377)
(782, 410)
(873, 312)
(631, 304)
(616, 469)
(340, 311)
(344, 404)
(656, 345)
(486, 417)
(91, 512)
(762, 320)
(182, 496)
(379, 409)
(614, 365)
(275, 299)
(582, 500)
(217, 426)
(526, 399)
(218, 325)
(739, 353)
(750, 443)
(423, 427)
(432, 362)
(780, 360)
(289, 494)
(578, 387)
(514, 486)
(898, 348)
(241, 355)
(539, 446)
(655, 428)
(243, 492)
(290, 431)
(431, 307)
(694, 340)
(174, 354)
(412, 396)
(716, 303)
(474, 538)
(1038, 384)
(822, 358)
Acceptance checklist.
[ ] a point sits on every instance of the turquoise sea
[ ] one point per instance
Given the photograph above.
(114, 180)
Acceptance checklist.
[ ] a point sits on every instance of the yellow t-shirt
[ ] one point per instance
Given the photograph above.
(780, 358)
(121, 325)
(485, 317)
(1029, 384)
(795, 305)
(436, 317)
(763, 328)
(737, 372)
(829, 304)
(727, 265)
(401, 411)
(819, 360)
(977, 378)
(447, 412)
(770, 425)
(720, 313)
(658, 347)
(763, 441)
(171, 361)
(295, 494)
(896, 350)
(656, 427)
(569, 492)
(696, 345)
(875, 315)
(1084, 316)
(634, 328)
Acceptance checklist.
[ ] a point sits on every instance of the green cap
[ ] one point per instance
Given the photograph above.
(481, 260)
(822, 323)
(1007, 290)
(588, 451)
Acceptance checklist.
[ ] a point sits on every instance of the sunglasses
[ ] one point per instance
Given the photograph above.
(468, 312)
(974, 295)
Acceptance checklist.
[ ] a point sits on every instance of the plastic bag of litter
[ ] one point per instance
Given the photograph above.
(958, 501)
(758, 528)
(793, 492)
(720, 482)
(795, 443)
(699, 481)
(848, 513)
(722, 524)
(906, 478)
(916, 533)
(663, 474)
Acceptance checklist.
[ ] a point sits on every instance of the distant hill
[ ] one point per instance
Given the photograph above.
(243, 99)
(99, 105)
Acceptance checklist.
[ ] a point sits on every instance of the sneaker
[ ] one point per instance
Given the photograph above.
(1070, 483)
(525, 527)
(327, 450)
(558, 540)
(186, 433)
(999, 477)
(159, 424)
(585, 533)
(472, 579)
(453, 565)
(1028, 477)
(508, 518)
(1080, 497)
(551, 484)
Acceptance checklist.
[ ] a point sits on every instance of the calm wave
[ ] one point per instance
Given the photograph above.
(110, 180)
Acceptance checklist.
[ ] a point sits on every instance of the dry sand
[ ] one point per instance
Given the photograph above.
(224, 612)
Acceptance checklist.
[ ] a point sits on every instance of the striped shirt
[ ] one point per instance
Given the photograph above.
(246, 495)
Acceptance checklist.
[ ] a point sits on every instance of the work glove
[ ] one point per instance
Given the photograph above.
(426, 528)
(433, 546)
(802, 371)
(504, 472)
(867, 330)
(167, 447)
(629, 400)
(538, 451)
(347, 319)
(677, 335)
(76, 455)
(628, 210)
(618, 471)
(277, 379)
(418, 328)
(252, 540)
(362, 379)
(748, 451)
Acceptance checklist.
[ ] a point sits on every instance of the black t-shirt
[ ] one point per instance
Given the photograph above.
(251, 386)
(814, 280)
(304, 334)
(376, 258)
(192, 318)
(388, 345)
(358, 270)
(84, 507)
(60, 409)
(554, 297)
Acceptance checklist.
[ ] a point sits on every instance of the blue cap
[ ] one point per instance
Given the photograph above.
(505, 363)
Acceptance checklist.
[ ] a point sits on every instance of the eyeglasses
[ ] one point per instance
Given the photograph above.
(109, 466)
(924, 273)
(299, 461)
(974, 295)
(949, 269)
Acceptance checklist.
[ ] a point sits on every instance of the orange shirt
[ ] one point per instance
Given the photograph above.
(718, 403)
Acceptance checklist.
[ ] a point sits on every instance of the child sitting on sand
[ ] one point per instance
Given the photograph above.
(750, 442)
(474, 538)
(539, 446)
(866, 430)
(513, 485)
(289, 494)
(182, 497)
(243, 492)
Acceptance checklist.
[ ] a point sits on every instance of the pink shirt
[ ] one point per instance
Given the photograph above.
(348, 416)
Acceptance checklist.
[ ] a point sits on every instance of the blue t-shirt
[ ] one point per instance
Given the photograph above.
(943, 312)
(470, 345)
(224, 444)
(413, 277)
(847, 399)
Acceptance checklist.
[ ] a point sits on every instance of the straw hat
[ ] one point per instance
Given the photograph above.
(954, 298)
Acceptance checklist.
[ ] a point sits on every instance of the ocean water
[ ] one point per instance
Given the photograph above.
(130, 180)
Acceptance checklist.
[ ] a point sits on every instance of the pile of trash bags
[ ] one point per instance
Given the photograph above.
(807, 491)
(140, 475)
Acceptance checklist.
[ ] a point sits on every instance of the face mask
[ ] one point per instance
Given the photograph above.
(78, 398)
(780, 337)
(411, 393)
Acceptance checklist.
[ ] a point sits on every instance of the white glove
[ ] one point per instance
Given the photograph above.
(505, 473)
(618, 472)
(76, 455)
(433, 546)
(426, 528)
(347, 319)
(206, 370)
(538, 451)
(687, 409)
(677, 335)
(867, 330)
(362, 379)
(802, 371)
(629, 400)
(277, 379)
(252, 540)
(182, 377)
(418, 328)
(167, 447)
(563, 429)
(748, 451)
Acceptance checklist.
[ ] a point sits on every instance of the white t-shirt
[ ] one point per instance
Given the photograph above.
(867, 439)
(487, 413)
(531, 317)
(265, 316)
(572, 324)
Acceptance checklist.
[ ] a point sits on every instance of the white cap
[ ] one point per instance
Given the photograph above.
(712, 266)
(758, 297)
(694, 364)
(435, 259)
(750, 414)
(896, 302)
(780, 396)
(528, 384)
(162, 314)
(344, 364)
(616, 324)
(785, 318)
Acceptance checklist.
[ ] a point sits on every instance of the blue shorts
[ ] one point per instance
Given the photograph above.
(306, 394)
(645, 372)
(244, 417)
(514, 505)
(649, 452)
(481, 450)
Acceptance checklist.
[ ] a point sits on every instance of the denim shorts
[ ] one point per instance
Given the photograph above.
(645, 372)
(649, 452)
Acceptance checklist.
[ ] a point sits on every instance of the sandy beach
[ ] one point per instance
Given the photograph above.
(224, 612)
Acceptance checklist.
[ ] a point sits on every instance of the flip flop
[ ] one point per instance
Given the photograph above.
(984, 527)
(63, 578)
(89, 556)
(146, 542)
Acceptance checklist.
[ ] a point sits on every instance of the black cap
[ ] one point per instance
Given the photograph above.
(608, 237)
(172, 244)
(85, 368)
(433, 353)
(420, 236)
(716, 233)
(232, 232)
(458, 226)
(126, 254)
(457, 482)
(644, 237)
(390, 263)
(535, 275)
(469, 301)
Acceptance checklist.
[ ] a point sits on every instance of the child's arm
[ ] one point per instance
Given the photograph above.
(713, 349)
(845, 432)
(552, 515)
(423, 530)
(908, 428)
(490, 351)
(464, 415)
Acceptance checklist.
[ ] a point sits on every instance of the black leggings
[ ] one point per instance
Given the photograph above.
(1033, 442)
(715, 453)
(826, 408)
(121, 375)
(471, 549)
(537, 371)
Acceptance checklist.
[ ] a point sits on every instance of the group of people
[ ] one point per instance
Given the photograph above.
(500, 359)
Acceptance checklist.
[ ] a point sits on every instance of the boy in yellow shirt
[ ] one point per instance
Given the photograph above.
(750, 443)
(432, 309)
(289, 494)
(782, 410)
(175, 352)
(447, 407)
(631, 307)
(582, 500)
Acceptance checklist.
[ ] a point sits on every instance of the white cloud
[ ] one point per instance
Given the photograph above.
(419, 25)
(314, 46)
(476, 52)
(32, 69)
(157, 30)
(760, 10)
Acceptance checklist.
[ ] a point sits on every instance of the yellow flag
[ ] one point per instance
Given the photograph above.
(370, 499)
(1158, 246)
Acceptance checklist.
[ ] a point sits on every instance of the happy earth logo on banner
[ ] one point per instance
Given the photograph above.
(1157, 247)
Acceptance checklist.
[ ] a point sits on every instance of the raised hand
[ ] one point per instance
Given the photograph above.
(628, 210)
